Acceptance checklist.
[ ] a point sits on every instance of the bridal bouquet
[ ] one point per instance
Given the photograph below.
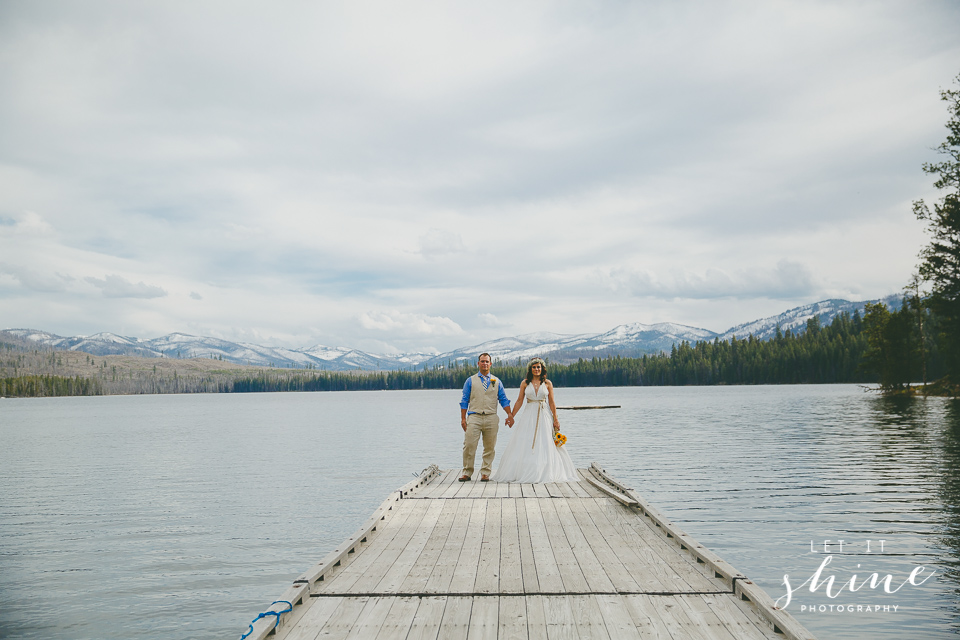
(559, 439)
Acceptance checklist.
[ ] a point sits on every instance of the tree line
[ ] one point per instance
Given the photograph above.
(902, 345)
(48, 386)
(828, 354)
(883, 346)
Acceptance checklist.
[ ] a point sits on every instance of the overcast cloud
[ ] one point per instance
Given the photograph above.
(426, 175)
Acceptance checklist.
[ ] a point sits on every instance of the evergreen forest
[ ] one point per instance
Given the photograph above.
(883, 346)
(818, 355)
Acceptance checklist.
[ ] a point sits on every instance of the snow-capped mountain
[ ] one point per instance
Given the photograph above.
(509, 349)
(181, 345)
(796, 319)
(645, 338)
(100, 344)
(628, 340)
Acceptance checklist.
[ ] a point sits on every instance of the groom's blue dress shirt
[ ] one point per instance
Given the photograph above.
(468, 388)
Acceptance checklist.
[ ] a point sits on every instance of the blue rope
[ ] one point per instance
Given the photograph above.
(270, 613)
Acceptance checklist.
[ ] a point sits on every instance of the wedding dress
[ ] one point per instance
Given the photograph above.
(531, 455)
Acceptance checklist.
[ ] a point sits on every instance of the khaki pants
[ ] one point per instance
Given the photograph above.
(480, 425)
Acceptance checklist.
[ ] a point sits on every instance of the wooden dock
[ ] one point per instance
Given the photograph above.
(442, 559)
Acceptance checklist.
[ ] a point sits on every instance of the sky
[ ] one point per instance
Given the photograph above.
(421, 176)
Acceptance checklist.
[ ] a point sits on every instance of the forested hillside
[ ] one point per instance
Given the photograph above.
(818, 355)
(838, 352)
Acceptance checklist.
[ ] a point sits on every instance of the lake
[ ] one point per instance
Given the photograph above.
(186, 515)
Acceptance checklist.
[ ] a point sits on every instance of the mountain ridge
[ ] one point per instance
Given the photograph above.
(631, 340)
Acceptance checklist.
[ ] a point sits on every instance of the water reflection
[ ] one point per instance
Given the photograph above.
(950, 493)
(895, 410)
(919, 451)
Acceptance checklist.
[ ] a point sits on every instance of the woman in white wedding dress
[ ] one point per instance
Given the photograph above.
(531, 455)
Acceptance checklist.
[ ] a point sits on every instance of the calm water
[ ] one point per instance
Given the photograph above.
(162, 516)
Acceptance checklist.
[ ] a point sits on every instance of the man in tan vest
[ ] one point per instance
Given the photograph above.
(478, 417)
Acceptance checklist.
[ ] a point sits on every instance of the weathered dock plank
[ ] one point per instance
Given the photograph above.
(588, 559)
(485, 618)
(465, 573)
(528, 566)
(442, 573)
(544, 560)
(571, 575)
(561, 624)
(344, 619)
(399, 619)
(365, 571)
(456, 618)
(371, 619)
(512, 620)
(410, 552)
(425, 563)
(316, 617)
(511, 575)
(593, 570)
(488, 568)
(426, 622)
(588, 617)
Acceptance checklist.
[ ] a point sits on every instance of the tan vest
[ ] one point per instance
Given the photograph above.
(483, 401)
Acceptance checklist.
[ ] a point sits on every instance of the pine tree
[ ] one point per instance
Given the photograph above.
(940, 260)
(918, 305)
(892, 350)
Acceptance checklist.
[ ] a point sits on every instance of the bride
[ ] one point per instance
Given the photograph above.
(531, 456)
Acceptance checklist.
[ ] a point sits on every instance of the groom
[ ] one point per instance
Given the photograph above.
(478, 417)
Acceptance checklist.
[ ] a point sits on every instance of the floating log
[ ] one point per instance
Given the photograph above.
(590, 559)
(598, 406)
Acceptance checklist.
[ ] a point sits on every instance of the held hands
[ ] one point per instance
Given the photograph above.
(509, 421)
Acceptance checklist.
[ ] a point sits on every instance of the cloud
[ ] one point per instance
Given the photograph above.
(114, 286)
(406, 323)
(35, 281)
(28, 223)
(195, 295)
(439, 242)
(490, 320)
(788, 280)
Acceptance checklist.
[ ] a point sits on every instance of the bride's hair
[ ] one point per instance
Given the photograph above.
(543, 370)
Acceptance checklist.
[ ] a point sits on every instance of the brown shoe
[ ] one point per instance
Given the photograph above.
(464, 478)
(484, 478)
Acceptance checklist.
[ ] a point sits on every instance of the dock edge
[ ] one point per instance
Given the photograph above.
(777, 619)
(300, 588)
